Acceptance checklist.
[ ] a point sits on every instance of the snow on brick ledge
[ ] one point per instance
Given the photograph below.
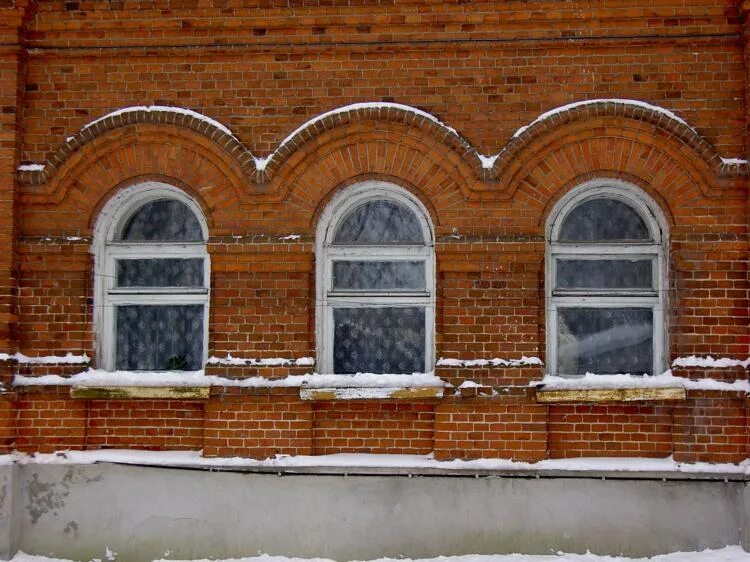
(590, 381)
(366, 460)
(263, 362)
(709, 362)
(67, 359)
(101, 378)
(495, 362)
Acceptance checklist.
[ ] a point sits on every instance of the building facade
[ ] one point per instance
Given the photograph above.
(470, 196)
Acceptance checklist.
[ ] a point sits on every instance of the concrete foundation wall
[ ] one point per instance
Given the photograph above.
(141, 513)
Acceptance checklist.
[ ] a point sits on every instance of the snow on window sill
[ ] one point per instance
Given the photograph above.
(626, 387)
(195, 385)
(386, 393)
(494, 362)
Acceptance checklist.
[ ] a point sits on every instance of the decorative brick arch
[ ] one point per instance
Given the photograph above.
(188, 158)
(391, 151)
(663, 125)
(348, 116)
(118, 120)
(677, 171)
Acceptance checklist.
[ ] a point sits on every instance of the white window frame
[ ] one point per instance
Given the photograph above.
(656, 250)
(107, 249)
(326, 253)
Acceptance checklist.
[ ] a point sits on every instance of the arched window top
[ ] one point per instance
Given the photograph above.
(603, 219)
(375, 213)
(151, 212)
(611, 212)
(379, 222)
(163, 220)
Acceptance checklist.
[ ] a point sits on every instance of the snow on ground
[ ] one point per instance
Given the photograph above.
(364, 460)
(728, 554)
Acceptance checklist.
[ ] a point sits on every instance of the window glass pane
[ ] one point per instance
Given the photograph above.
(378, 275)
(156, 337)
(605, 340)
(165, 220)
(379, 222)
(379, 340)
(599, 220)
(604, 274)
(160, 273)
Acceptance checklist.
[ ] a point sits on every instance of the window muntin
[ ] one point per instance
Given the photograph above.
(606, 282)
(152, 281)
(375, 264)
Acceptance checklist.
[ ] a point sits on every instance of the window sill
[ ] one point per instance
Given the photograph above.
(85, 392)
(557, 396)
(370, 393)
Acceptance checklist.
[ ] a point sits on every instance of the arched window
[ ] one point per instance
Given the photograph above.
(152, 279)
(606, 282)
(376, 282)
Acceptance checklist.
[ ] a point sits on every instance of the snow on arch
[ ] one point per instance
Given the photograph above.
(162, 109)
(619, 101)
(489, 161)
(261, 163)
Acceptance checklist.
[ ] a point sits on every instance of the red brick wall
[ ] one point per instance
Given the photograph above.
(258, 424)
(610, 430)
(373, 427)
(264, 68)
(144, 424)
(49, 420)
(711, 427)
(482, 429)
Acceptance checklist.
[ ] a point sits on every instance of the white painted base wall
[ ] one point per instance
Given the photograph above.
(77, 511)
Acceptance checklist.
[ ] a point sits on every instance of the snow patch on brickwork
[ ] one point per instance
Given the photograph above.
(162, 109)
(624, 381)
(635, 103)
(101, 378)
(263, 362)
(33, 167)
(487, 161)
(734, 161)
(67, 359)
(494, 362)
(709, 362)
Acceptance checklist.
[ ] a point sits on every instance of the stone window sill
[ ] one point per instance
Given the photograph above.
(85, 392)
(369, 393)
(557, 396)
